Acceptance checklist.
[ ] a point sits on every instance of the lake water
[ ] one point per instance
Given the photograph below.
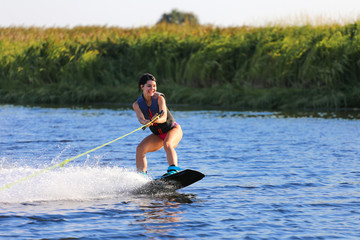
(269, 175)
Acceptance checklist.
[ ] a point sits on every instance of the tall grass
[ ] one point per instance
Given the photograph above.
(267, 67)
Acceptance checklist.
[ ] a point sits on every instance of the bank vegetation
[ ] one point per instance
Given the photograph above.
(274, 67)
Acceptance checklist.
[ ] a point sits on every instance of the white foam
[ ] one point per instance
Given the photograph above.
(68, 183)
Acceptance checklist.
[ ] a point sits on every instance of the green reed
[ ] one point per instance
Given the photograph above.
(263, 67)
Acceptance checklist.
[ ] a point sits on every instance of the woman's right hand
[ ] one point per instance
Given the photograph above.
(145, 121)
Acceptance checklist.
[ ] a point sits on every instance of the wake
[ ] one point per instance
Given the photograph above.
(68, 183)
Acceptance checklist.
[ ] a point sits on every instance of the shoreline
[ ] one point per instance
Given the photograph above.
(273, 99)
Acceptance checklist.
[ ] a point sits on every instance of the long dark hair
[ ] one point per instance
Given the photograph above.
(144, 78)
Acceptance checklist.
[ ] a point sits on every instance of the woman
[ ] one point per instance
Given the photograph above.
(165, 131)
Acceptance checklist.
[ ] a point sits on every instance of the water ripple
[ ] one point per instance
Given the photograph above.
(269, 175)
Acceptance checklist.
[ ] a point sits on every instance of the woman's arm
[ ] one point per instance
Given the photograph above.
(139, 114)
(162, 107)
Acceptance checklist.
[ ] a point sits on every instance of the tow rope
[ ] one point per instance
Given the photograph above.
(63, 163)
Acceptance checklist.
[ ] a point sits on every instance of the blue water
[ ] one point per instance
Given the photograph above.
(269, 175)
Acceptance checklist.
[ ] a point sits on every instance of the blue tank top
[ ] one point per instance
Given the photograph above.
(150, 111)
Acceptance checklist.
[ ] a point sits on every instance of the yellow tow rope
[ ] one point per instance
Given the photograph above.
(62, 164)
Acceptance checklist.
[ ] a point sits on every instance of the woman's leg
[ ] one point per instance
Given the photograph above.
(151, 143)
(171, 141)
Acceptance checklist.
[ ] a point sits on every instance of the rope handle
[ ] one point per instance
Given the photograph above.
(153, 120)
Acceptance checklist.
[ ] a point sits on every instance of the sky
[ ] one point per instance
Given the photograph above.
(136, 13)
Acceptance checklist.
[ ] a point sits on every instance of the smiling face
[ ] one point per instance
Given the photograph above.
(149, 88)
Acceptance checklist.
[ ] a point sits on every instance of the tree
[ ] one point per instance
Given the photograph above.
(181, 18)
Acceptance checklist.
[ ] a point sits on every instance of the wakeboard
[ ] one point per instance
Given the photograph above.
(172, 182)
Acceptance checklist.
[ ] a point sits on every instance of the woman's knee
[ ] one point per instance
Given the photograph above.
(140, 149)
(168, 145)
